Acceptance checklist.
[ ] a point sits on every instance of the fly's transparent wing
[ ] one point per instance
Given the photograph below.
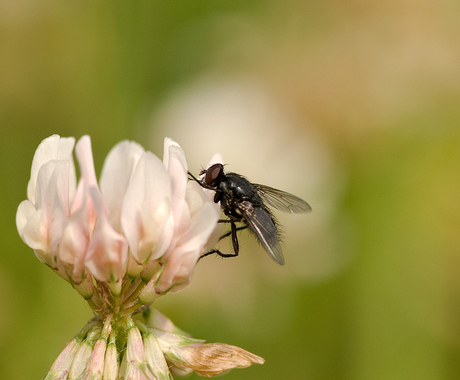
(262, 226)
(281, 200)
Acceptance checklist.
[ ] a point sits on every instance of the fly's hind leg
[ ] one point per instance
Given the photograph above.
(233, 232)
(227, 234)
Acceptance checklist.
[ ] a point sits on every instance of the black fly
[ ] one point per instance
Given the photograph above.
(246, 202)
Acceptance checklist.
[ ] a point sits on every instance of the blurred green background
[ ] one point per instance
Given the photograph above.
(352, 105)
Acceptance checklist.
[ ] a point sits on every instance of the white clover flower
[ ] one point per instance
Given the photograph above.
(121, 244)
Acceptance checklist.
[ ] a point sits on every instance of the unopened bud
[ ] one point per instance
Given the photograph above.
(111, 359)
(83, 355)
(86, 287)
(95, 367)
(61, 365)
(150, 293)
(155, 359)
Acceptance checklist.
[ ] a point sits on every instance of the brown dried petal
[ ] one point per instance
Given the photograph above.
(212, 359)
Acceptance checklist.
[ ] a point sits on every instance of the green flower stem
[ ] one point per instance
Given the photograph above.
(93, 306)
(141, 326)
(107, 329)
(116, 302)
(131, 309)
(133, 292)
(96, 321)
(127, 283)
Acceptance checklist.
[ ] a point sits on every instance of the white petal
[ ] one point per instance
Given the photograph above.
(182, 260)
(25, 211)
(42, 230)
(195, 198)
(116, 174)
(201, 227)
(51, 148)
(176, 164)
(146, 204)
(35, 235)
(168, 144)
(215, 159)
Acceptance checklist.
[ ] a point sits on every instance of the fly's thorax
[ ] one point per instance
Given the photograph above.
(238, 187)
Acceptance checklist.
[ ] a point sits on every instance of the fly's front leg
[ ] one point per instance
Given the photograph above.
(203, 185)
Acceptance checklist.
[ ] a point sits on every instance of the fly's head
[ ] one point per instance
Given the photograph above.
(213, 175)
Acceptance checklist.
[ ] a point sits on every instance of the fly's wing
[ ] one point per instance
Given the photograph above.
(281, 200)
(261, 224)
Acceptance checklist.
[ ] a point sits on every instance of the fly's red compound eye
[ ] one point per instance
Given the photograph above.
(213, 173)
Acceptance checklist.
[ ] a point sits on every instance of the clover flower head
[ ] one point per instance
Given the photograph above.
(121, 243)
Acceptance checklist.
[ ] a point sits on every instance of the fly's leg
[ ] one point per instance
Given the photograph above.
(233, 231)
(236, 245)
(221, 254)
(203, 185)
(227, 234)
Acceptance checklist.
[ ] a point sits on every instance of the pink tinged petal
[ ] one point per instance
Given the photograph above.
(146, 215)
(85, 160)
(51, 148)
(74, 244)
(107, 251)
(60, 368)
(88, 178)
(116, 174)
(182, 260)
(156, 362)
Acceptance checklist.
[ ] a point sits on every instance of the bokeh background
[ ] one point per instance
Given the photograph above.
(353, 105)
